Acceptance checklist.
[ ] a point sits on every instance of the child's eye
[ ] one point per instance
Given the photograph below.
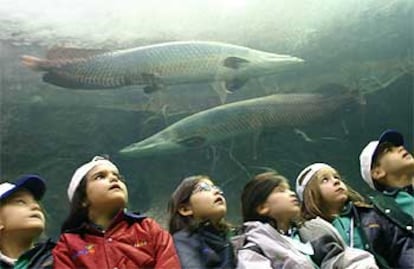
(99, 177)
(324, 180)
(20, 201)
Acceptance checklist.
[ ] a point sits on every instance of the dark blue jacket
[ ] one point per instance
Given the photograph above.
(204, 248)
(384, 238)
(40, 257)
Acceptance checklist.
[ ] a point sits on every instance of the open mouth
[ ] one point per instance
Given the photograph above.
(219, 200)
(115, 187)
(340, 190)
(37, 216)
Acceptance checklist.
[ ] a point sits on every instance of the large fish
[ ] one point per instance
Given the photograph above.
(233, 119)
(157, 66)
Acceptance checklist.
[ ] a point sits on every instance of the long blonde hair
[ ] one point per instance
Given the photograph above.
(313, 204)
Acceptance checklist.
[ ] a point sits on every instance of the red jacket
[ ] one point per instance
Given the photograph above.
(131, 242)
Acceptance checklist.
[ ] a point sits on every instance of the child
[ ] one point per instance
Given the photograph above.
(100, 233)
(387, 167)
(325, 195)
(22, 221)
(275, 237)
(201, 236)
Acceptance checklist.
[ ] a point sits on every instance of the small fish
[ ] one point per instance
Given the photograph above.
(249, 116)
(157, 66)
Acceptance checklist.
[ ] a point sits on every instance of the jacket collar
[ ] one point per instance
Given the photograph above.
(393, 191)
(347, 209)
(92, 228)
(37, 250)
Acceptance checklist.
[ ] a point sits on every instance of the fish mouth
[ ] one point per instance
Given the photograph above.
(136, 149)
(283, 58)
(149, 147)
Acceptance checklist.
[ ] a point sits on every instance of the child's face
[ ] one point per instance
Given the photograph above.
(21, 212)
(332, 188)
(207, 201)
(394, 160)
(105, 188)
(281, 204)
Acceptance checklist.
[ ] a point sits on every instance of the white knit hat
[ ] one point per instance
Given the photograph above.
(81, 172)
(310, 171)
(368, 153)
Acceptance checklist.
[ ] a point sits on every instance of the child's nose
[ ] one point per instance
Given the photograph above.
(35, 206)
(113, 178)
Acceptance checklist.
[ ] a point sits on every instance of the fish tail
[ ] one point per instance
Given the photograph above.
(35, 63)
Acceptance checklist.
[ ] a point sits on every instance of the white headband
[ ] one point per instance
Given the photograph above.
(311, 170)
(81, 172)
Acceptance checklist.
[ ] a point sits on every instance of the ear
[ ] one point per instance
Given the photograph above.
(185, 210)
(85, 204)
(378, 173)
(1, 224)
(263, 209)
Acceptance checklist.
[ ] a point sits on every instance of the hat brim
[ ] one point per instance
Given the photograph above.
(33, 183)
(392, 137)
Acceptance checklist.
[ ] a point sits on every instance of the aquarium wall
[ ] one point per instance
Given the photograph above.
(346, 76)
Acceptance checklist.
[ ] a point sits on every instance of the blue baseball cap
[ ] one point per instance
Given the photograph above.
(33, 183)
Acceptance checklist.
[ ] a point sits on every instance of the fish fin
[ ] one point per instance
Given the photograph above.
(303, 135)
(60, 53)
(150, 89)
(220, 88)
(235, 62)
(35, 63)
(153, 81)
(234, 84)
(193, 141)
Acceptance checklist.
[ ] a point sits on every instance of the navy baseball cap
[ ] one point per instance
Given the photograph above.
(33, 183)
(369, 153)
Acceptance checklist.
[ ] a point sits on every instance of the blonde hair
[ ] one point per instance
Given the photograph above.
(313, 203)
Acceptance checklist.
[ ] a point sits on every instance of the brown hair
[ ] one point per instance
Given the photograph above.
(181, 196)
(255, 193)
(380, 152)
(78, 210)
(313, 204)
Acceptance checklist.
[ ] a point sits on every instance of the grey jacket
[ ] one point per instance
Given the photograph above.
(279, 251)
(331, 250)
